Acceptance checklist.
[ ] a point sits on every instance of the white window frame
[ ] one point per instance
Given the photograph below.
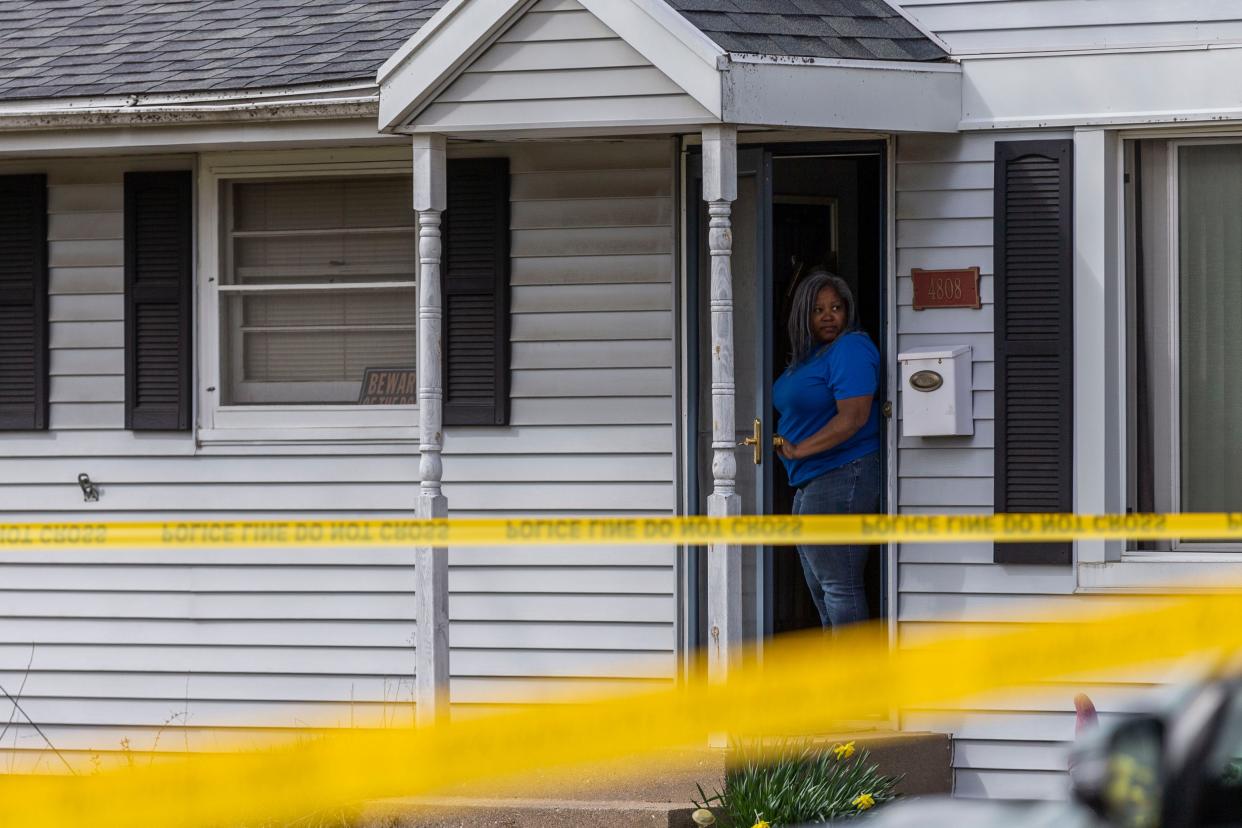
(1187, 567)
(293, 423)
(1181, 551)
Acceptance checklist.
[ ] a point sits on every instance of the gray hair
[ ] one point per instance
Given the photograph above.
(801, 336)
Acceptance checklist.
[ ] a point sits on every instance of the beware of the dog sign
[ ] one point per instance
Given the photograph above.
(389, 386)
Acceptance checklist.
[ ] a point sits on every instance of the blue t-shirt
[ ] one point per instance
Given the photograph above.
(806, 396)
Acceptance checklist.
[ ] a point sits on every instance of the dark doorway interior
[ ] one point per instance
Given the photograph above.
(826, 211)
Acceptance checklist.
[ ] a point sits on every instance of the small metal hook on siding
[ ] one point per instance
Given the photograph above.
(89, 492)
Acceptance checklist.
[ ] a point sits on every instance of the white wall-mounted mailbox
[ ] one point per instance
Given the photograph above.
(936, 392)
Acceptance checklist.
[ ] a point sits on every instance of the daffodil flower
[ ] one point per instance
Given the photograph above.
(844, 751)
(763, 823)
(863, 801)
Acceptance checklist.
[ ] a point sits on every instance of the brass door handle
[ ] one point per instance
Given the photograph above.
(757, 438)
(753, 441)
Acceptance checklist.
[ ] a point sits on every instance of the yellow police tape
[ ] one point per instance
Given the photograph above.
(802, 685)
(762, 530)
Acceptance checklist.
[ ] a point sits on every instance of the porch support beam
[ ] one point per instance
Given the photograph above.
(724, 561)
(431, 655)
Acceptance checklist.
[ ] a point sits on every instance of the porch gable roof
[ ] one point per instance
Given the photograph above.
(423, 69)
(648, 65)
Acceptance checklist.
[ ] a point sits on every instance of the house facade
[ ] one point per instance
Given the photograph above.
(502, 257)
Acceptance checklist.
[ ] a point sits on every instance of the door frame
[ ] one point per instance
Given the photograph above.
(694, 317)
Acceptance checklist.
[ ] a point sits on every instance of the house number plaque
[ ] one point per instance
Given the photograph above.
(946, 288)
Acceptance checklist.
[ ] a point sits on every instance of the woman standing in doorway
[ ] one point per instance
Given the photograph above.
(830, 425)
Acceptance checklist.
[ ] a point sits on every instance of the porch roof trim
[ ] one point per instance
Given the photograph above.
(872, 95)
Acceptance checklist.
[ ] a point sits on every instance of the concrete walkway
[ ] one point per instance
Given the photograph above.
(659, 795)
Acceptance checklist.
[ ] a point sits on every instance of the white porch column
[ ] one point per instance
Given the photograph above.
(431, 657)
(724, 561)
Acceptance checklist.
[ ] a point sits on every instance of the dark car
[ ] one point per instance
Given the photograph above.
(1180, 768)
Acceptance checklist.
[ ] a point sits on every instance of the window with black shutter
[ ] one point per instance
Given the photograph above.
(476, 293)
(1034, 332)
(158, 251)
(23, 303)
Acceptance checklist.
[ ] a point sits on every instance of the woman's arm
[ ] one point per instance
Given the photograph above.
(852, 414)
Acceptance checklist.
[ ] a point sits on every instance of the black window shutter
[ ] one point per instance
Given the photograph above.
(1034, 328)
(23, 303)
(158, 284)
(475, 343)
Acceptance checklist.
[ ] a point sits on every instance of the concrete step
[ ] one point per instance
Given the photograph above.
(615, 796)
(924, 759)
(465, 812)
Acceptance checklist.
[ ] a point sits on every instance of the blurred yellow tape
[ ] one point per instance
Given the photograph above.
(803, 685)
(763, 530)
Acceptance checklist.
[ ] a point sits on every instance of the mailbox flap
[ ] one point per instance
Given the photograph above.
(941, 352)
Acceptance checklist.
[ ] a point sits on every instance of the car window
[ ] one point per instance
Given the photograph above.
(1133, 793)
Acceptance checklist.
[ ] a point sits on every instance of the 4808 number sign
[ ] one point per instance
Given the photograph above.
(946, 288)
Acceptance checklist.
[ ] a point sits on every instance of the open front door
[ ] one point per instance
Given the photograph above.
(797, 208)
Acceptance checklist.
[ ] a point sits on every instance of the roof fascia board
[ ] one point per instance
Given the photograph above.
(565, 129)
(882, 96)
(191, 100)
(103, 117)
(887, 65)
(443, 46)
(1179, 86)
(584, 131)
(671, 42)
(242, 134)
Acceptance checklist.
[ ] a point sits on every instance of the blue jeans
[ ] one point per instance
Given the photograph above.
(834, 574)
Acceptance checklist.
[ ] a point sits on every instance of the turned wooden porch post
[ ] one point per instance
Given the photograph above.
(724, 561)
(431, 655)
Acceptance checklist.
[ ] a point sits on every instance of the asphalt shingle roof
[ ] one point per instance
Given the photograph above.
(65, 48)
(70, 48)
(859, 29)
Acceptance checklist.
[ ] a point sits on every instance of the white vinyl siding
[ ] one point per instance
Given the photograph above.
(119, 644)
(559, 64)
(988, 26)
(1006, 747)
(591, 430)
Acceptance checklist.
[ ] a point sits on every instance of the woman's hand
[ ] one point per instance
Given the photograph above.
(852, 414)
(788, 449)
